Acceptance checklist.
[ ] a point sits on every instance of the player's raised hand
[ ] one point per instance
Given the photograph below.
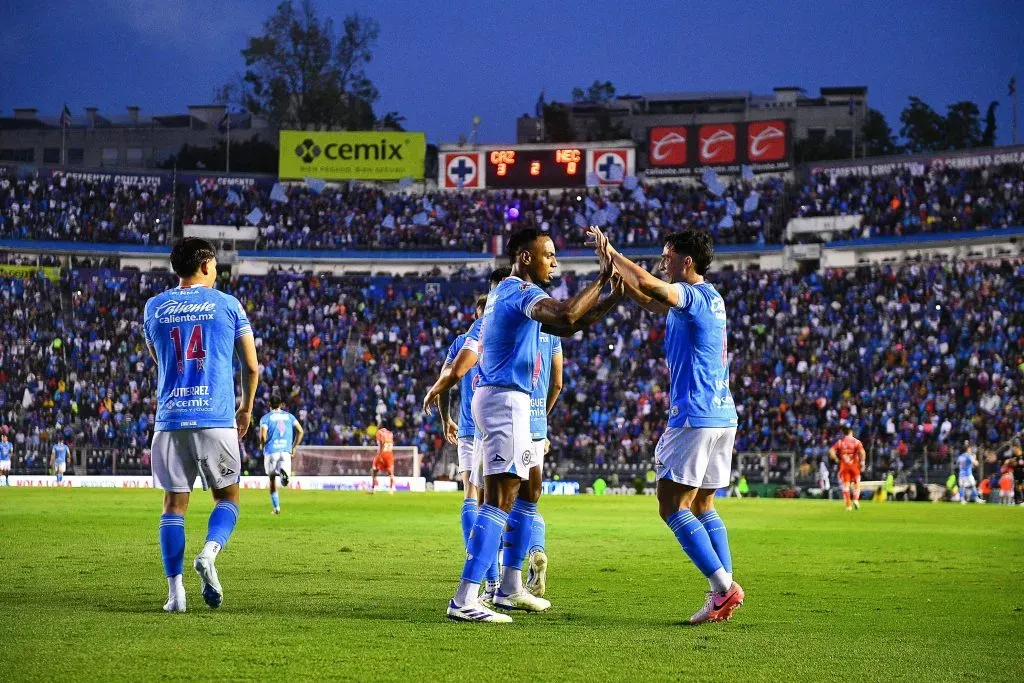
(618, 285)
(451, 432)
(429, 400)
(243, 417)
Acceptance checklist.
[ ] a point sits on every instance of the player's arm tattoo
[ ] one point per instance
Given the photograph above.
(565, 314)
(636, 279)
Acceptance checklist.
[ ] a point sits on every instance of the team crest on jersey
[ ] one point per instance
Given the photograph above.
(527, 457)
(523, 287)
(675, 411)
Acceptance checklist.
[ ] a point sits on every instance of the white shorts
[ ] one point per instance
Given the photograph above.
(5, 465)
(696, 456)
(967, 482)
(465, 454)
(503, 418)
(539, 447)
(476, 471)
(275, 463)
(180, 456)
(60, 467)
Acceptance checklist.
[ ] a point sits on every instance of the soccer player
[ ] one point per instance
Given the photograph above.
(6, 447)
(59, 459)
(542, 402)
(966, 462)
(849, 453)
(470, 460)
(384, 461)
(694, 455)
(824, 482)
(192, 332)
(280, 435)
(509, 340)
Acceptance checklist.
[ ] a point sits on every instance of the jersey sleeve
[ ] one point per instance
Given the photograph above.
(556, 345)
(147, 323)
(526, 298)
(242, 326)
(454, 349)
(689, 298)
(264, 420)
(472, 340)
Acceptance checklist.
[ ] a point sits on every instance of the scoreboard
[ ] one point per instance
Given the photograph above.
(535, 166)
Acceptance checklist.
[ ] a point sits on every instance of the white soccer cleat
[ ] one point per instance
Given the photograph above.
(475, 611)
(175, 604)
(275, 511)
(522, 601)
(538, 577)
(212, 592)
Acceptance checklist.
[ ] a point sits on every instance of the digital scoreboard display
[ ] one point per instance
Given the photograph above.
(536, 168)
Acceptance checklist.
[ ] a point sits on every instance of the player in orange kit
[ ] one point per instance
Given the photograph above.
(851, 458)
(385, 459)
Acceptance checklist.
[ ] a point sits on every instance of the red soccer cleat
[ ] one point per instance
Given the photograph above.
(719, 606)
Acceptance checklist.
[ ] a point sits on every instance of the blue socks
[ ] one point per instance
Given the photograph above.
(482, 548)
(696, 543)
(537, 541)
(222, 522)
(172, 543)
(519, 534)
(275, 500)
(468, 519)
(715, 527)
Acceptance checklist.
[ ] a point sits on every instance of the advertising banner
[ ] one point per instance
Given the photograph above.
(764, 146)
(415, 484)
(345, 155)
(915, 163)
(51, 273)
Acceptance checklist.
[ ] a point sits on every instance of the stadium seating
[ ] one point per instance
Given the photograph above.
(916, 357)
(353, 216)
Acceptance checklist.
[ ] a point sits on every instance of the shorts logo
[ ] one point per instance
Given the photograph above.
(497, 458)
(226, 471)
(527, 457)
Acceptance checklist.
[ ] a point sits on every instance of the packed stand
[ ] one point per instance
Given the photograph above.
(352, 216)
(916, 357)
(922, 199)
(41, 206)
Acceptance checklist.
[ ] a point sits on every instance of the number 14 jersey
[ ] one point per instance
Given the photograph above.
(192, 331)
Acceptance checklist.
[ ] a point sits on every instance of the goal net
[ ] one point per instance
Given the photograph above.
(768, 468)
(348, 461)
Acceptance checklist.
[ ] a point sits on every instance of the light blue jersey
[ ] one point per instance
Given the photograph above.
(280, 426)
(548, 347)
(6, 448)
(509, 336)
(697, 353)
(965, 462)
(60, 454)
(467, 385)
(193, 332)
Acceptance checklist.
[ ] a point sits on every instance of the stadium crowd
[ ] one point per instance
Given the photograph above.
(45, 206)
(355, 216)
(914, 357)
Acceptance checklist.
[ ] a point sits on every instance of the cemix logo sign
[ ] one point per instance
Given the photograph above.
(351, 155)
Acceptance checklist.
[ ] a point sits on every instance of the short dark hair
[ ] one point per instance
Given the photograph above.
(499, 274)
(521, 240)
(276, 400)
(849, 430)
(481, 301)
(694, 243)
(189, 253)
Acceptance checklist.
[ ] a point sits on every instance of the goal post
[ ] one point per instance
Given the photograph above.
(324, 461)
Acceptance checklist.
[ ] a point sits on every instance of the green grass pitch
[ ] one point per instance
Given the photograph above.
(349, 586)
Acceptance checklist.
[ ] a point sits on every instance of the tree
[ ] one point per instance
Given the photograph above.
(963, 125)
(600, 98)
(988, 138)
(924, 129)
(299, 75)
(877, 135)
(558, 123)
(392, 120)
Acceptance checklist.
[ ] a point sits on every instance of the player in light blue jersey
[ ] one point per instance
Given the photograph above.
(193, 333)
(280, 435)
(59, 459)
(965, 464)
(509, 339)
(694, 455)
(6, 449)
